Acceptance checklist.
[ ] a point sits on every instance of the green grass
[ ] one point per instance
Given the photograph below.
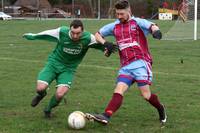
(176, 84)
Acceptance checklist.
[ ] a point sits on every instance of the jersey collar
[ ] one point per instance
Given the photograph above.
(70, 36)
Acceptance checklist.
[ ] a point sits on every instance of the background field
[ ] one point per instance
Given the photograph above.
(176, 83)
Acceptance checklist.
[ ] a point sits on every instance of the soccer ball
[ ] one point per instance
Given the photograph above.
(76, 120)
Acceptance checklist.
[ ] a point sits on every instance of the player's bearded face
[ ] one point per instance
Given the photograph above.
(76, 33)
(123, 15)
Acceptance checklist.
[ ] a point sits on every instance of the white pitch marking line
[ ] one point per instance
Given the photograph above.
(96, 66)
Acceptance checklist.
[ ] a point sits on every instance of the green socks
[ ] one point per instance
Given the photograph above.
(52, 103)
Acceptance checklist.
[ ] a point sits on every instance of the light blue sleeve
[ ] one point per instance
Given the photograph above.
(107, 30)
(144, 25)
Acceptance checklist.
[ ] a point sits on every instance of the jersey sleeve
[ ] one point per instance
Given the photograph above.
(92, 39)
(49, 35)
(93, 43)
(144, 24)
(107, 30)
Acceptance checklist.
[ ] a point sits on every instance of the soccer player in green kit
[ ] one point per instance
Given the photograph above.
(72, 45)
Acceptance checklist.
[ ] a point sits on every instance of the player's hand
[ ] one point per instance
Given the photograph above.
(28, 36)
(109, 48)
(25, 35)
(106, 52)
(157, 34)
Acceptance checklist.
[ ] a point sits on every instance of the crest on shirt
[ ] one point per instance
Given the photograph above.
(133, 27)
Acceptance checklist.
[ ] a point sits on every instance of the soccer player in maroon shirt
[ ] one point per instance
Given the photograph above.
(136, 62)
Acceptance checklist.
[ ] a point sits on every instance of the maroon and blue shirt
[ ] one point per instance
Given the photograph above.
(131, 39)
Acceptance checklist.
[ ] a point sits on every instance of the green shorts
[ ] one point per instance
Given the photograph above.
(57, 71)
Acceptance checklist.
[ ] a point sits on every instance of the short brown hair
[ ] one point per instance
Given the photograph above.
(122, 4)
(76, 23)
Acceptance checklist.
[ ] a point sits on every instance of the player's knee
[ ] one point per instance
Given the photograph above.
(61, 91)
(146, 95)
(41, 86)
(59, 95)
(145, 91)
(121, 88)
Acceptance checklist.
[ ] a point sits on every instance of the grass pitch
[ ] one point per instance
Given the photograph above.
(177, 84)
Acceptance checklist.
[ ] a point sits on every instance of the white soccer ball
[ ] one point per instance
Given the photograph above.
(76, 120)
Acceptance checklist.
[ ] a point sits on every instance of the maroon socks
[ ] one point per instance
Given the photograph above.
(153, 100)
(114, 104)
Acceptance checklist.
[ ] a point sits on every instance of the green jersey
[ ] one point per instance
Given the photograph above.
(67, 52)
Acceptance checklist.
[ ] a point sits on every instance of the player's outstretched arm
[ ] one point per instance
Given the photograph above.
(29, 36)
(109, 46)
(156, 33)
(49, 35)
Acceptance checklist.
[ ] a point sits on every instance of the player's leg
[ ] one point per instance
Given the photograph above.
(45, 77)
(41, 92)
(117, 99)
(113, 105)
(55, 99)
(124, 80)
(143, 77)
(64, 81)
(154, 101)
